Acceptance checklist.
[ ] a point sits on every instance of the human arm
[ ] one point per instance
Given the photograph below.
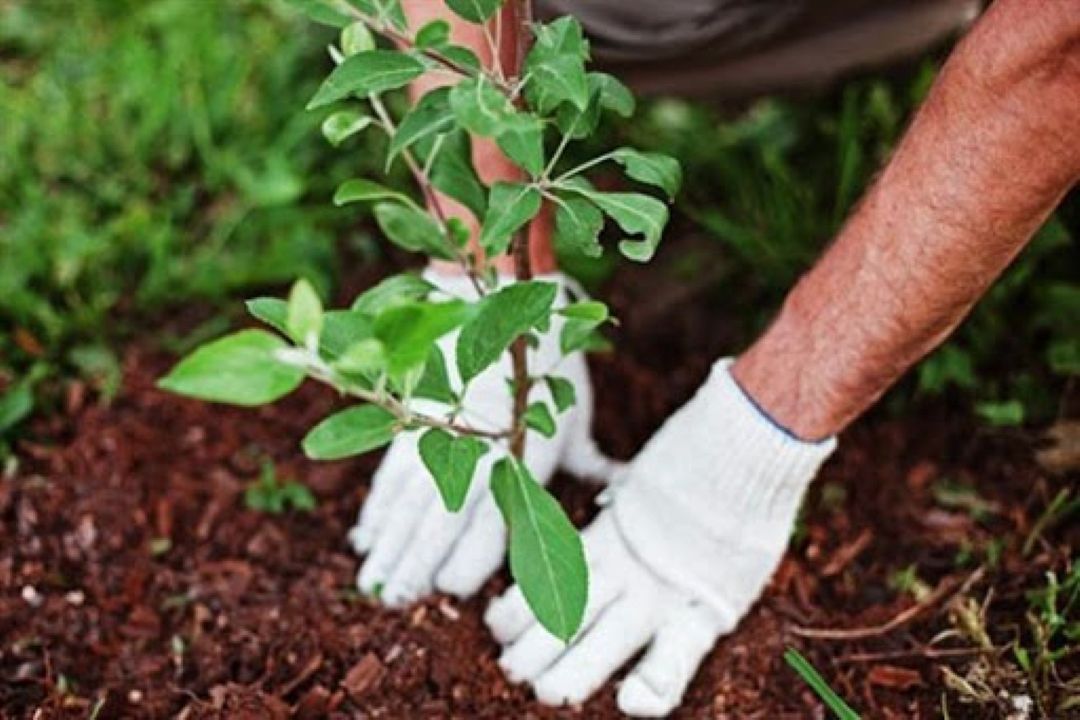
(987, 158)
(702, 516)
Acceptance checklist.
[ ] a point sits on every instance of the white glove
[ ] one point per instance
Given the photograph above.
(696, 525)
(412, 542)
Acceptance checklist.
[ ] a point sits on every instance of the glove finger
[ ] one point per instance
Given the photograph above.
(394, 535)
(656, 685)
(537, 649)
(508, 616)
(619, 633)
(430, 543)
(386, 486)
(477, 554)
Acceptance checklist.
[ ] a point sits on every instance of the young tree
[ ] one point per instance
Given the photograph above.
(386, 350)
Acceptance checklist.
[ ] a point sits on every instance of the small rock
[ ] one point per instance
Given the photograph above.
(31, 596)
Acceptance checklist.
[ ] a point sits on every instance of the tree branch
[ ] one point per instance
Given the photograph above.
(430, 195)
(522, 16)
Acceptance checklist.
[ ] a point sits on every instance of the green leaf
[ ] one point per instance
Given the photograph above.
(434, 384)
(582, 319)
(1063, 356)
(562, 391)
(547, 559)
(412, 229)
(556, 67)
(453, 173)
(299, 496)
(592, 311)
(321, 11)
(356, 38)
(365, 357)
(636, 214)
(272, 311)
(341, 330)
(410, 331)
(605, 93)
(480, 107)
(433, 35)
(1009, 413)
(458, 232)
(387, 11)
(350, 432)
(539, 418)
(452, 462)
(239, 369)
(613, 94)
(655, 169)
(16, 404)
(343, 124)
(394, 290)
(463, 56)
(510, 206)
(502, 317)
(431, 116)
(362, 190)
(523, 142)
(374, 71)
(305, 314)
(578, 223)
(475, 11)
(557, 80)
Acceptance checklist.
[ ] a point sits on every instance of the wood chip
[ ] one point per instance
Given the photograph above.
(364, 676)
(894, 677)
(847, 553)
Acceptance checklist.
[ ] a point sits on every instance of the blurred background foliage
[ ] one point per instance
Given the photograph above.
(155, 153)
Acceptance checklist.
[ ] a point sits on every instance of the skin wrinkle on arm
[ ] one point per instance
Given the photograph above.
(987, 158)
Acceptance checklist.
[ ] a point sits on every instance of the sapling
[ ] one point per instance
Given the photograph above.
(383, 351)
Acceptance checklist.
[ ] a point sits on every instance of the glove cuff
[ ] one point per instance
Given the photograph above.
(718, 469)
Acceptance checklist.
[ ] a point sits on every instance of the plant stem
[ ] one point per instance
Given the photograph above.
(324, 374)
(431, 197)
(582, 167)
(522, 15)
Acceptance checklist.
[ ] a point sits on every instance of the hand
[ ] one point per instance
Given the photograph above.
(412, 542)
(695, 527)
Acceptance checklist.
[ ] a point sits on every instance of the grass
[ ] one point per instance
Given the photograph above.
(154, 155)
(817, 683)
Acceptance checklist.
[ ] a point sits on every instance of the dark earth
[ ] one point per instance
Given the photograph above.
(135, 583)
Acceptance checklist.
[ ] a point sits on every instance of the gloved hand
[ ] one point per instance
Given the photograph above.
(412, 542)
(695, 526)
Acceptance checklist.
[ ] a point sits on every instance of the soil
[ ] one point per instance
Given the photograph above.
(134, 583)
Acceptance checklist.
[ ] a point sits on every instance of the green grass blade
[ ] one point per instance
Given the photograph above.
(835, 703)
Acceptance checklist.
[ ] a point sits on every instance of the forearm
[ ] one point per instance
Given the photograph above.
(495, 46)
(988, 157)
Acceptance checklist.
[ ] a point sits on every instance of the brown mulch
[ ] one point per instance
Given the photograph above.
(134, 583)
